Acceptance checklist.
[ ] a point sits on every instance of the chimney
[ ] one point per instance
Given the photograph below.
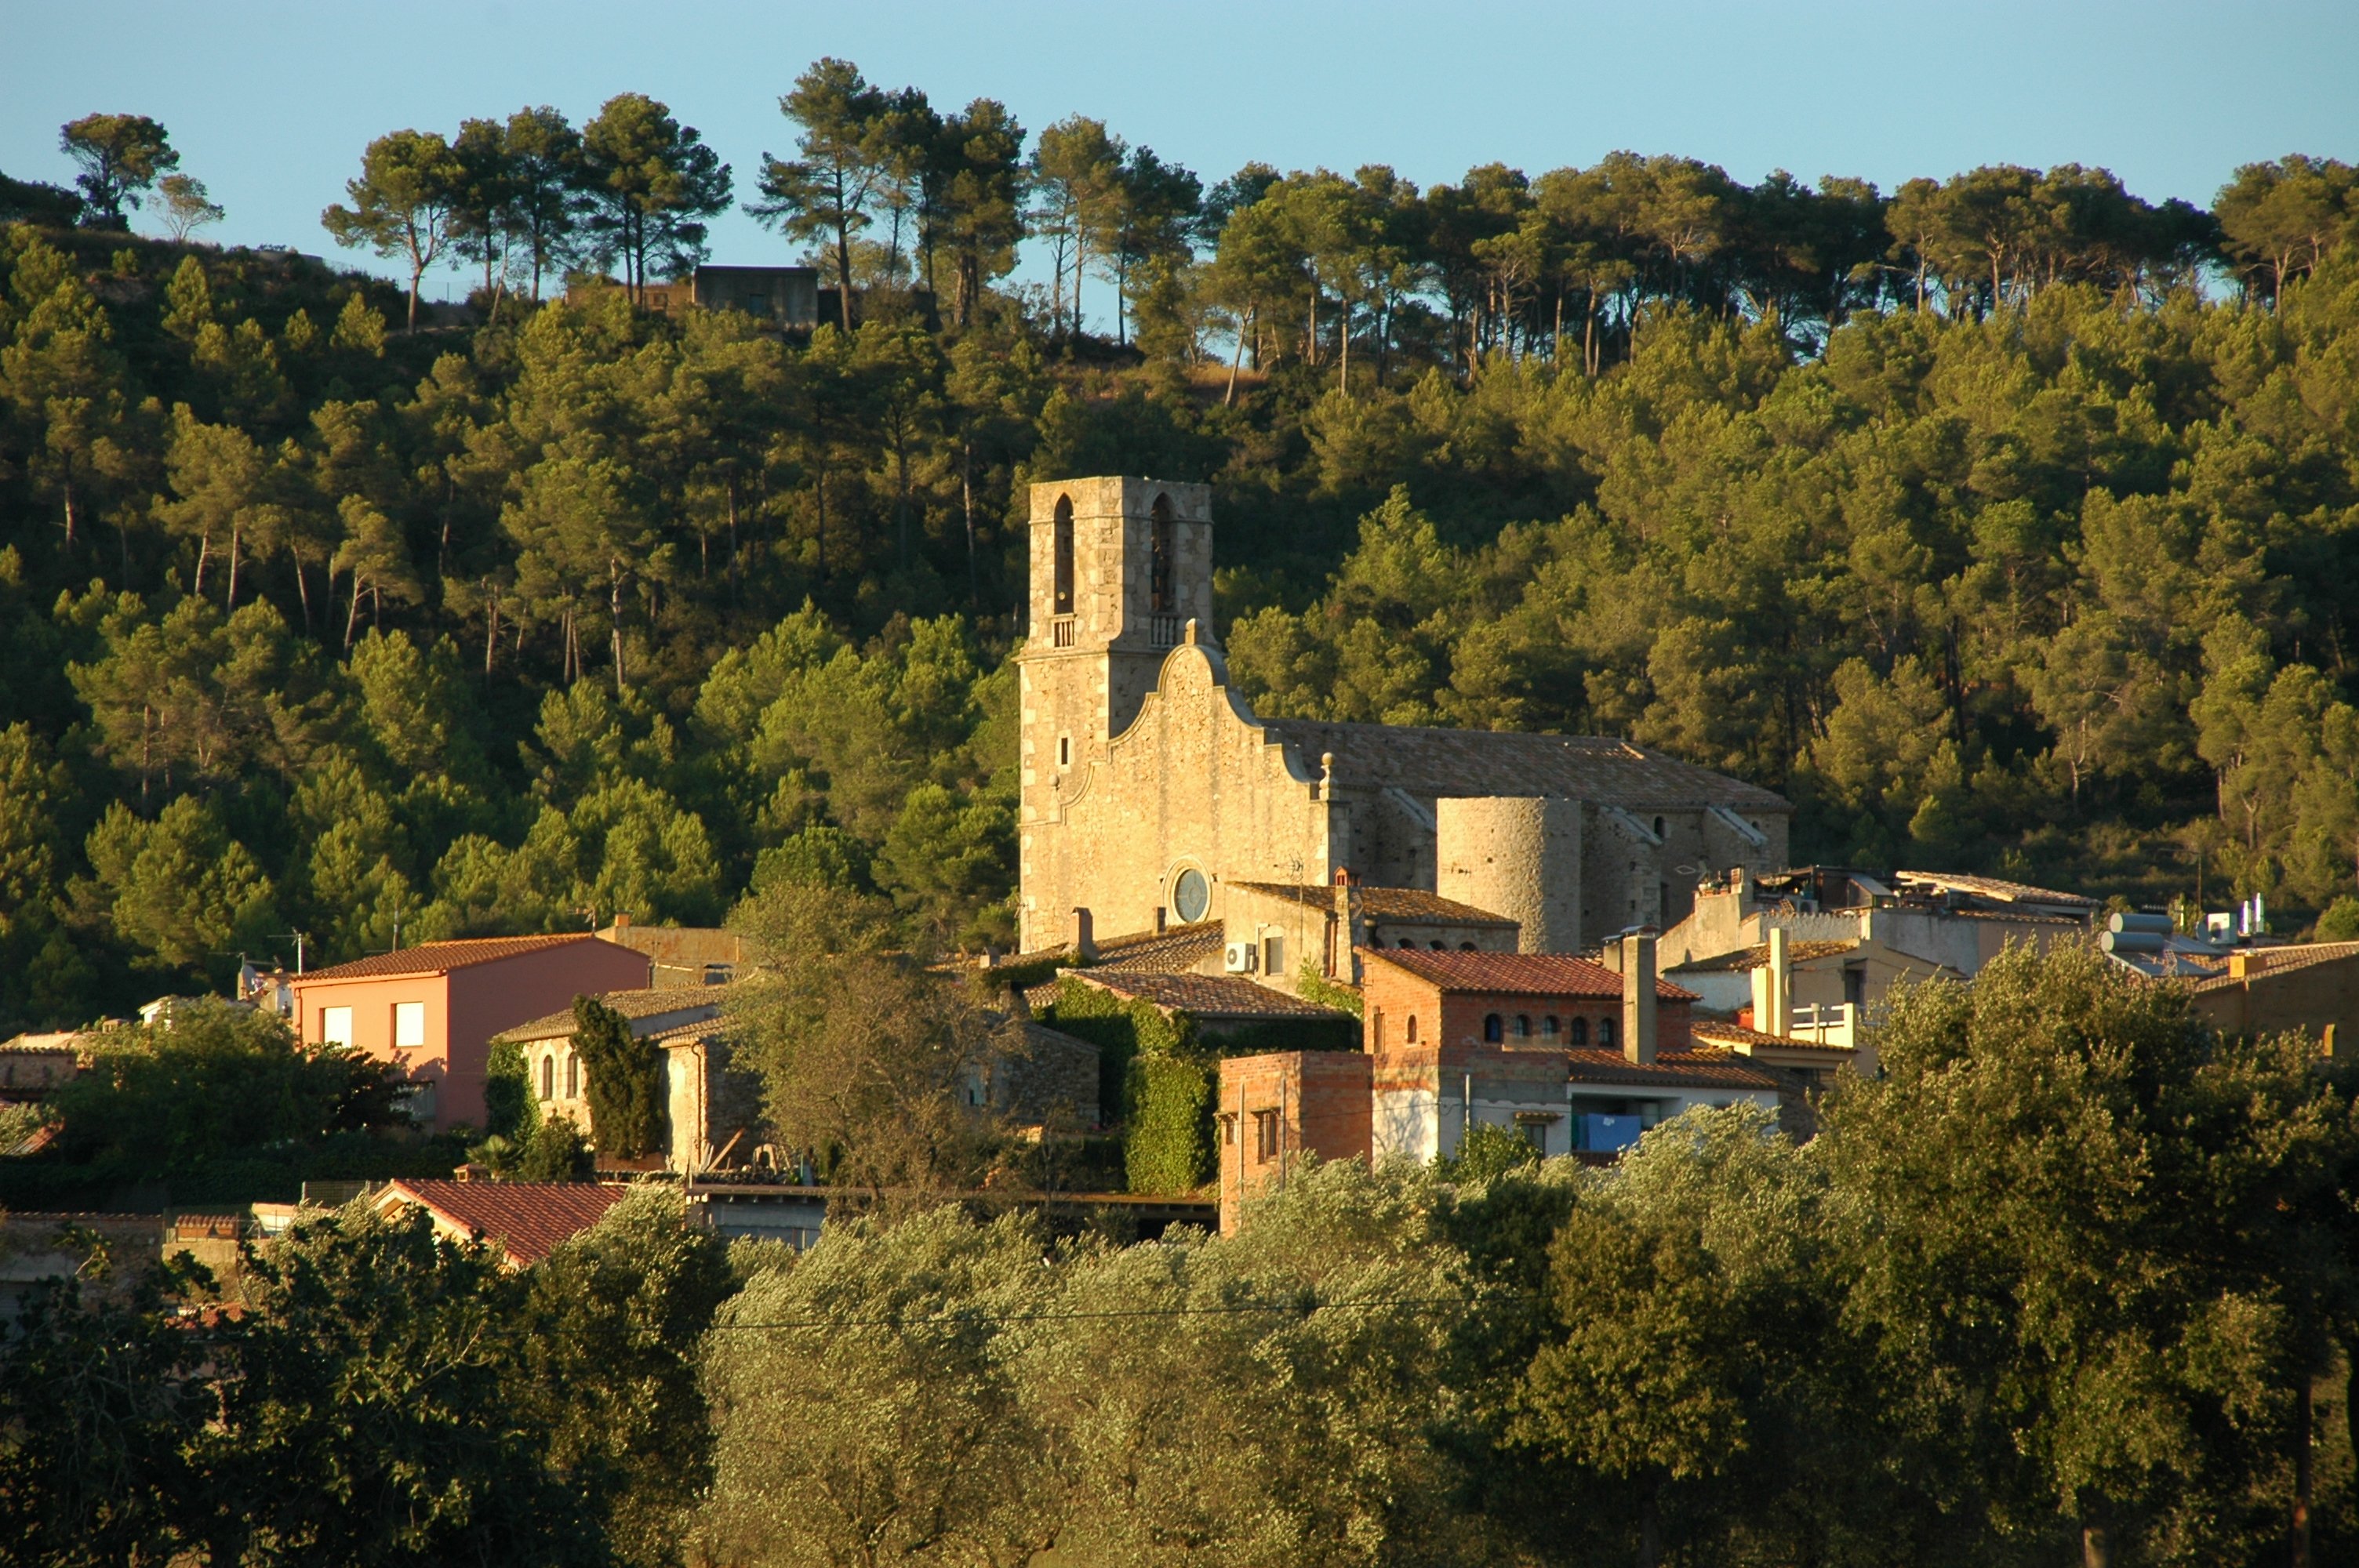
(1159, 920)
(1781, 985)
(622, 921)
(1638, 998)
(1086, 942)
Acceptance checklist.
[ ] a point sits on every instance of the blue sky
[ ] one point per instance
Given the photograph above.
(271, 103)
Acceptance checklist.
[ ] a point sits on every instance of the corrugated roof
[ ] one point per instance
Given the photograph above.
(441, 957)
(1437, 763)
(1994, 887)
(528, 1219)
(1384, 903)
(1207, 996)
(1522, 974)
(1757, 955)
(634, 1005)
(1710, 1069)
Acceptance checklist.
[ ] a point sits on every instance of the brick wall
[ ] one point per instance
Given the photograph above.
(1278, 1107)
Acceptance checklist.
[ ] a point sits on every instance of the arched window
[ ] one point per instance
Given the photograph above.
(572, 1076)
(1492, 1030)
(1579, 1035)
(1438, 946)
(1408, 942)
(1605, 1032)
(1064, 556)
(1523, 1026)
(1412, 1029)
(1466, 947)
(1658, 828)
(1548, 1027)
(549, 1076)
(1160, 599)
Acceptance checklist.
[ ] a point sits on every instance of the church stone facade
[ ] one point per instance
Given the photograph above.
(1149, 785)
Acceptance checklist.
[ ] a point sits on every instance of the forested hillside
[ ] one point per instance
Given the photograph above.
(2006, 522)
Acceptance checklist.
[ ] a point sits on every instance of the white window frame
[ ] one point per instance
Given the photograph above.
(336, 1026)
(410, 1026)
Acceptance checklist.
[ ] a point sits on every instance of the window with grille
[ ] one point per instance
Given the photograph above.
(1264, 1135)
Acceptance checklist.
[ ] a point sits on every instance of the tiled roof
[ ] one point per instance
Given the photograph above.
(1384, 903)
(2261, 963)
(1757, 955)
(1164, 952)
(1207, 996)
(528, 1219)
(1993, 887)
(441, 957)
(1435, 762)
(1734, 1034)
(633, 1005)
(1521, 974)
(1709, 1069)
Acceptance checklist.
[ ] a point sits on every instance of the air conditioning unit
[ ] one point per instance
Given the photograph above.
(1237, 957)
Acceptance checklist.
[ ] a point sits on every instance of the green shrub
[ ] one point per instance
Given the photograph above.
(2340, 921)
(556, 1154)
(623, 1080)
(509, 1109)
(1167, 1144)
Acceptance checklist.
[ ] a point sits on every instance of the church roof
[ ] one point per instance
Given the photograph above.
(1712, 1069)
(1161, 952)
(1433, 763)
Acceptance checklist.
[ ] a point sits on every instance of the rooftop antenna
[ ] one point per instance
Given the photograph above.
(299, 939)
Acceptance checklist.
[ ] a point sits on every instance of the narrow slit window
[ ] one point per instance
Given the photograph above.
(1064, 556)
(1159, 547)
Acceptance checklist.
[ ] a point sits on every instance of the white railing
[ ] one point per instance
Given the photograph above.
(1163, 631)
(1824, 1024)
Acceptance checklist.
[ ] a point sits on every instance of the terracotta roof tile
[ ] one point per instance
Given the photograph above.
(441, 957)
(1757, 955)
(1165, 952)
(1673, 1069)
(1436, 763)
(631, 1004)
(2262, 963)
(1732, 1035)
(1207, 996)
(1522, 974)
(1384, 903)
(528, 1219)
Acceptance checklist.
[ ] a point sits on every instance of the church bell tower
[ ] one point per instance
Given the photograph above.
(1119, 567)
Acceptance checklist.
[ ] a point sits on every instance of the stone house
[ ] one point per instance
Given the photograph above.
(711, 1109)
(684, 956)
(1150, 788)
(432, 1009)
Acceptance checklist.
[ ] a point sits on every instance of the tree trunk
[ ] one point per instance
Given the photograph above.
(2301, 1473)
(235, 541)
(353, 614)
(614, 616)
(491, 631)
(966, 499)
(302, 589)
(2096, 1546)
(1244, 327)
(1650, 1528)
(70, 505)
(204, 550)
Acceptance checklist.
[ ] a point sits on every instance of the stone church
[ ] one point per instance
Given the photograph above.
(1153, 794)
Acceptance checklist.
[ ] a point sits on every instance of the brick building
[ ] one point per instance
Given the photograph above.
(1414, 998)
(432, 1009)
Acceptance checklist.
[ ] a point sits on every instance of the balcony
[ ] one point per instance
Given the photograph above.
(1163, 631)
(1824, 1024)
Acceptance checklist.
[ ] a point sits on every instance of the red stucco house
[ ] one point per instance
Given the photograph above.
(432, 1009)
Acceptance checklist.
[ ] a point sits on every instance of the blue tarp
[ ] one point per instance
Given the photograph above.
(1606, 1133)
